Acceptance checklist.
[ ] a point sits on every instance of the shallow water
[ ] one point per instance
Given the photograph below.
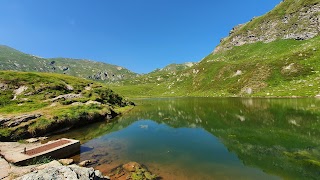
(211, 138)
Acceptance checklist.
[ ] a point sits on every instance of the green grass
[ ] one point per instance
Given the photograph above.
(262, 66)
(262, 25)
(40, 160)
(41, 87)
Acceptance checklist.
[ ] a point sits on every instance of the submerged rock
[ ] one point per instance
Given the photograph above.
(131, 166)
(86, 163)
(132, 170)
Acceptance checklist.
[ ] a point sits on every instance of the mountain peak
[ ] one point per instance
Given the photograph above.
(291, 19)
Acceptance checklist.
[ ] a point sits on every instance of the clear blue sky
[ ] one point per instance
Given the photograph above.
(141, 35)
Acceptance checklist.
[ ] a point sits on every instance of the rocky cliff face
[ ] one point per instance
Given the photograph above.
(299, 20)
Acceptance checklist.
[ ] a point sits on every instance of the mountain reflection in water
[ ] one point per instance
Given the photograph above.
(211, 138)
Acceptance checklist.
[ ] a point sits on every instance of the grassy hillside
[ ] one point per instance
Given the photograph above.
(174, 67)
(56, 101)
(279, 68)
(11, 59)
(291, 19)
(276, 54)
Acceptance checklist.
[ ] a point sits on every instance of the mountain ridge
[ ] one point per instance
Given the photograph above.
(291, 19)
(273, 55)
(12, 59)
(245, 64)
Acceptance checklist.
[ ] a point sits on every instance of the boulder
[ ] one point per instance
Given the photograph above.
(32, 140)
(85, 163)
(42, 138)
(20, 90)
(238, 73)
(58, 171)
(66, 161)
(69, 87)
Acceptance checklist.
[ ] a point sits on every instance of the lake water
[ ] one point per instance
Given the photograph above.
(211, 138)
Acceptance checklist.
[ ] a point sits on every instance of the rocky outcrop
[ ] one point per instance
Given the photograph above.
(17, 120)
(19, 91)
(65, 96)
(55, 170)
(299, 25)
(106, 76)
(69, 87)
(3, 86)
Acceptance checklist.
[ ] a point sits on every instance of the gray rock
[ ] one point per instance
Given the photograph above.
(69, 87)
(85, 163)
(42, 138)
(3, 120)
(20, 90)
(93, 102)
(32, 140)
(58, 171)
(300, 25)
(77, 104)
(238, 73)
(15, 121)
(65, 96)
(66, 161)
(3, 86)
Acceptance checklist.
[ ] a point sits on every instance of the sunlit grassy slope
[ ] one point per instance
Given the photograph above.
(11, 59)
(279, 68)
(94, 101)
(276, 54)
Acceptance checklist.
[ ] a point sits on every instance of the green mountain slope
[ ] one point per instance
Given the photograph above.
(11, 59)
(276, 54)
(291, 19)
(175, 67)
(33, 104)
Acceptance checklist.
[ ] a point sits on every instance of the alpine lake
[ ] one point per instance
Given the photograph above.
(210, 138)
